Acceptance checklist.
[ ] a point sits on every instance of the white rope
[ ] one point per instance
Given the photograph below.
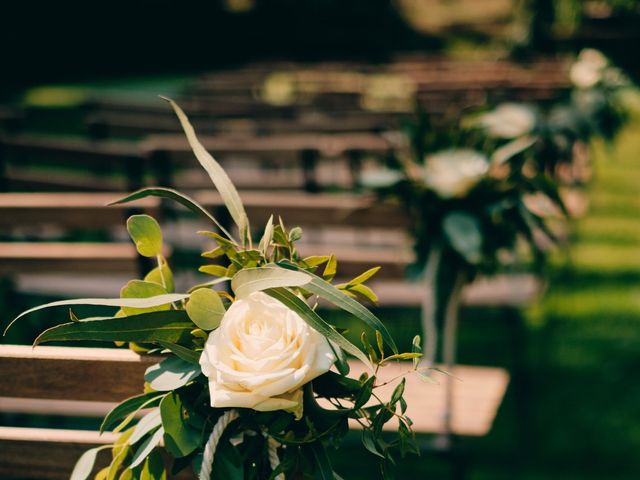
(274, 460)
(212, 444)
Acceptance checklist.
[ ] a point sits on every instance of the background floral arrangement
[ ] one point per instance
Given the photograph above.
(247, 388)
(485, 192)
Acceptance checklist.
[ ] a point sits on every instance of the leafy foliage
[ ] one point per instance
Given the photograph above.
(176, 398)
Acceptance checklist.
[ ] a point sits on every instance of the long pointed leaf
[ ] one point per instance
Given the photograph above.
(327, 291)
(315, 321)
(181, 198)
(130, 405)
(170, 326)
(218, 176)
(249, 280)
(108, 302)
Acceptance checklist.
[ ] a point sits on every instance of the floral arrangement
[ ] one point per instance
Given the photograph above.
(253, 383)
(485, 192)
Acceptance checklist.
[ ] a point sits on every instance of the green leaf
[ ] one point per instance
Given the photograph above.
(369, 443)
(295, 234)
(364, 291)
(267, 236)
(153, 468)
(171, 326)
(107, 302)
(172, 194)
(145, 449)
(227, 464)
(130, 405)
(402, 356)
(397, 392)
(327, 291)
(217, 174)
(330, 268)
(250, 280)
(179, 437)
(316, 260)
(170, 374)
(146, 234)
(290, 300)
(142, 289)
(205, 308)
(465, 235)
(363, 277)
(217, 270)
(162, 275)
(365, 393)
(184, 353)
(322, 461)
(342, 363)
(146, 425)
(85, 463)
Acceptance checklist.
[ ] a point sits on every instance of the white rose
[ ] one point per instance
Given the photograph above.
(509, 120)
(452, 173)
(261, 354)
(588, 70)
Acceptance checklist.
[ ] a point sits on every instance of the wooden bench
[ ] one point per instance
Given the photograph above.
(358, 216)
(96, 162)
(54, 380)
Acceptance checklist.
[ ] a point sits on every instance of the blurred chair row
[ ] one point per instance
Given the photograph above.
(288, 135)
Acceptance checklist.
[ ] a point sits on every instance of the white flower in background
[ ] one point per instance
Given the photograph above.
(452, 173)
(589, 68)
(509, 120)
(261, 354)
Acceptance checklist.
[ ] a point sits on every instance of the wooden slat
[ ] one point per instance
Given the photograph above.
(327, 144)
(300, 208)
(24, 257)
(48, 454)
(64, 373)
(71, 210)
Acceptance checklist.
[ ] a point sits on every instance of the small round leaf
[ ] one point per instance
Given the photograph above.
(205, 308)
(146, 234)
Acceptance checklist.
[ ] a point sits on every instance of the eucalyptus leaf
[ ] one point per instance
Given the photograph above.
(146, 234)
(267, 236)
(290, 300)
(147, 446)
(172, 194)
(327, 291)
(217, 174)
(250, 280)
(107, 302)
(465, 235)
(142, 289)
(184, 353)
(149, 422)
(85, 463)
(322, 461)
(180, 438)
(172, 326)
(205, 308)
(153, 468)
(170, 374)
(130, 405)
(162, 275)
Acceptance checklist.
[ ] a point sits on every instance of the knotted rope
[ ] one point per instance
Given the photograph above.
(274, 460)
(212, 444)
